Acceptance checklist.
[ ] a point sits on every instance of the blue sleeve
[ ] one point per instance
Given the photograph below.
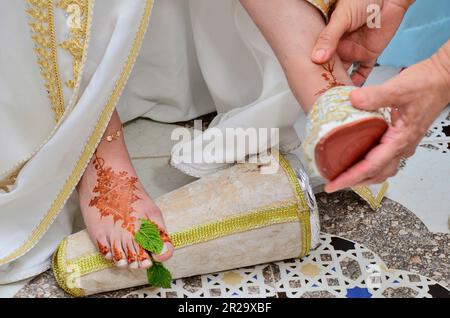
(425, 28)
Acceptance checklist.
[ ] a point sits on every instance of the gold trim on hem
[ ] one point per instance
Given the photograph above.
(91, 145)
(366, 194)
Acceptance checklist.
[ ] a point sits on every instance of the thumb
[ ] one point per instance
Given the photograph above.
(329, 38)
(371, 98)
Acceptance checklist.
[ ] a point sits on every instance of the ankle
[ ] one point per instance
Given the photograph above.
(309, 82)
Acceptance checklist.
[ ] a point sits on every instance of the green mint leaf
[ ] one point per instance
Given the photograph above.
(148, 237)
(159, 276)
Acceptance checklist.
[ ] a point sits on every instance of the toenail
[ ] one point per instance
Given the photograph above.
(134, 265)
(146, 263)
(108, 256)
(103, 249)
(122, 263)
(164, 250)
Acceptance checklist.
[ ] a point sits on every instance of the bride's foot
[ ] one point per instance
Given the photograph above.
(113, 202)
(338, 135)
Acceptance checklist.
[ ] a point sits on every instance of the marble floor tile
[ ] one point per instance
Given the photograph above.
(146, 138)
(150, 144)
(158, 177)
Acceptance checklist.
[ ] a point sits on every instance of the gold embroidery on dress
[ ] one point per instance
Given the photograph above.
(89, 149)
(42, 23)
(77, 11)
(7, 183)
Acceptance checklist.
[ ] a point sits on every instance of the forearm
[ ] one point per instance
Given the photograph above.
(409, 2)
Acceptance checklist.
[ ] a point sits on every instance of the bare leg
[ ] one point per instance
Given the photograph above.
(113, 201)
(291, 27)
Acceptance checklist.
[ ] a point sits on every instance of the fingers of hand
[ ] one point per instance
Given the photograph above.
(328, 40)
(387, 172)
(370, 167)
(371, 98)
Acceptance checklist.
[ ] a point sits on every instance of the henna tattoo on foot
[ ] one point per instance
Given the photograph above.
(116, 194)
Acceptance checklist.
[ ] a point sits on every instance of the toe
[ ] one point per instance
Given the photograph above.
(119, 255)
(132, 254)
(144, 259)
(167, 250)
(104, 247)
(165, 254)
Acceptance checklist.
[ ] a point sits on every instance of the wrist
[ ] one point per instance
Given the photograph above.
(403, 3)
(408, 3)
(441, 63)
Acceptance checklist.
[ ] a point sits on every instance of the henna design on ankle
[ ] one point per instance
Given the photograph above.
(116, 194)
(329, 76)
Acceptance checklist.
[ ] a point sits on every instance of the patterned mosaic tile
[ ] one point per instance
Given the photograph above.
(338, 268)
(254, 282)
(438, 136)
(393, 232)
